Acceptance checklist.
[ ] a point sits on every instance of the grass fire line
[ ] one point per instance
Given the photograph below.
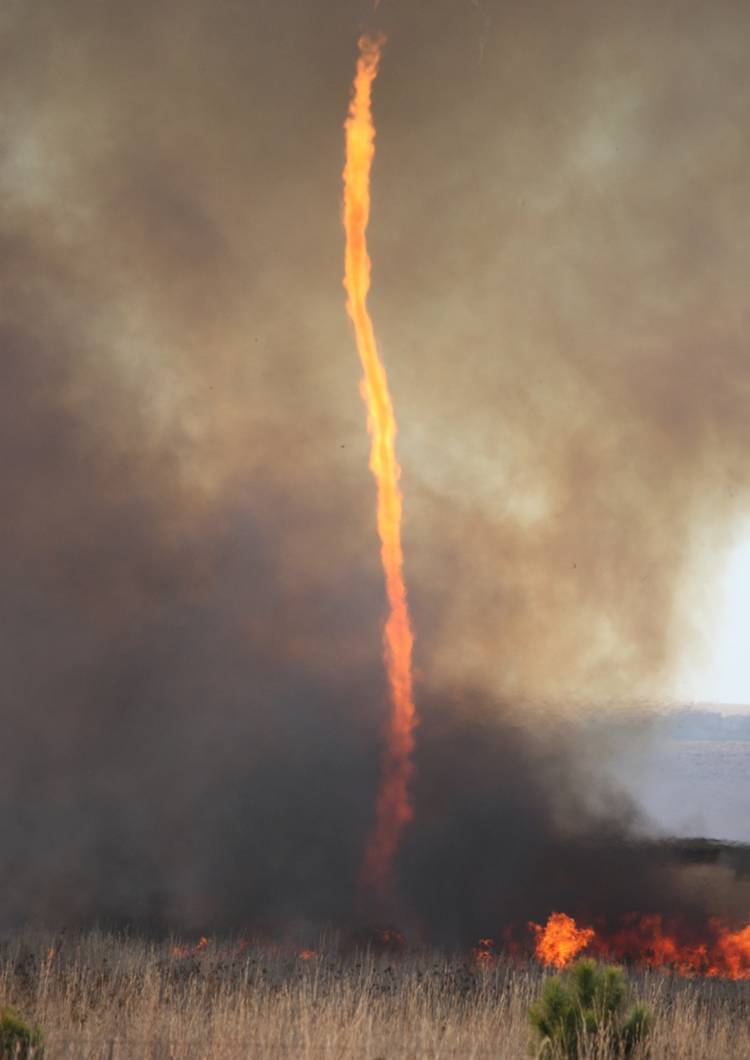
(717, 951)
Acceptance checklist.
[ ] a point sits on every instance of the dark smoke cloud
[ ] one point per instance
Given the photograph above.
(192, 692)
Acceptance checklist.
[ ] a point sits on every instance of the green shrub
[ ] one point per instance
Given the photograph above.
(588, 1001)
(18, 1041)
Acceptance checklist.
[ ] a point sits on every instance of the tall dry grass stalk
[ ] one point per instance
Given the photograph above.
(111, 998)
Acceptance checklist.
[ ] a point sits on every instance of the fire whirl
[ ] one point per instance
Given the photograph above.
(393, 809)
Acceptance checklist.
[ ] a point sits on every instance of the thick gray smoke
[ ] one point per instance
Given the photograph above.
(190, 606)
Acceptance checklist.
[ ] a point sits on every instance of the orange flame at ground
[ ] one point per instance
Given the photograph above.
(484, 952)
(558, 942)
(190, 951)
(647, 941)
(393, 809)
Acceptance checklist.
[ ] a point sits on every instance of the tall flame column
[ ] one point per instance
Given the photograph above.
(393, 809)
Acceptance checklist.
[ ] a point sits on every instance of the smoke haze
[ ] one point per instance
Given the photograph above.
(193, 693)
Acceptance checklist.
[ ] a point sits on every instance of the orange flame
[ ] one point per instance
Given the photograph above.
(484, 952)
(558, 942)
(307, 955)
(721, 952)
(181, 952)
(733, 948)
(391, 938)
(393, 810)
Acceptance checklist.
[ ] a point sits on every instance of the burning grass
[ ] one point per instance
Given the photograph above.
(102, 996)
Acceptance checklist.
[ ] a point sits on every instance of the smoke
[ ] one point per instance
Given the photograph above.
(193, 696)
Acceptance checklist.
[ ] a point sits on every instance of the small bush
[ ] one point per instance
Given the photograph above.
(586, 1002)
(18, 1041)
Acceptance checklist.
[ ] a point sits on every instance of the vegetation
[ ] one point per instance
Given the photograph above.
(18, 1041)
(587, 1005)
(104, 997)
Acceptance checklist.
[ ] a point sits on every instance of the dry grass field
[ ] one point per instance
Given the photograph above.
(106, 997)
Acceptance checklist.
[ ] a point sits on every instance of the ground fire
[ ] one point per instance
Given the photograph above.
(560, 940)
(649, 941)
